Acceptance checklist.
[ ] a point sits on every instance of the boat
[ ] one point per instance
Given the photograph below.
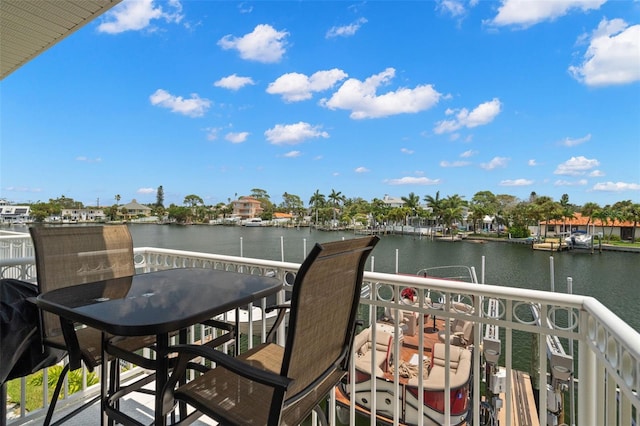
(411, 362)
(254, 222)
(579, 240)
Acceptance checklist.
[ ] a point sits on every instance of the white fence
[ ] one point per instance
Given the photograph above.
(607, 350)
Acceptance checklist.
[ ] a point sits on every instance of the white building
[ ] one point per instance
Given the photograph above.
(13, 214)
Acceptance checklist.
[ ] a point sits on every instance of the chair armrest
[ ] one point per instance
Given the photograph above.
(220, 325)
(186, 353)
(274, 307)
(281, 315)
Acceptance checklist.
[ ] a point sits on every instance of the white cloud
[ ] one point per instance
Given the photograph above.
(576, 166)
(454, 163)
(145, 190)
(516, 182)
(238, 137)
(532, 163)
(361, 99)
(528, 13)
(406, 151)
(596, 173)
(612, 57)
(233, 82)
(212, 133)
(469, 153)
(295, 87)
(293, 154)
(495, 163)
(263, 44)
(479, 116)
(562, 182)
(616, 186)
(346, 30)
(245, 8)
(88, 160)
(410, 180)
(454, 8)
(193, 107)
(22, 189)
(361, 170)
(137, 15)
(574, 142)
(292, 134)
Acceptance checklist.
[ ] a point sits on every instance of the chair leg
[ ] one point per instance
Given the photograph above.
(56, 394)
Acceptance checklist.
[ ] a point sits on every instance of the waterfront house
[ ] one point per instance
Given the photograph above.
(135, 209)
(616, 228)
(392, 202)
(14, 214)
(246, 208)
(282, 218)
(89, 214)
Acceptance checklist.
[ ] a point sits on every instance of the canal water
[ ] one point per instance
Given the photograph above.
(611, 277)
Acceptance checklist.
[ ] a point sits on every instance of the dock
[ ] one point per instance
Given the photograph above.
(551, 244)
(523, 404)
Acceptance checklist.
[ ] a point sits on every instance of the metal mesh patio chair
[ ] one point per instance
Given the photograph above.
(275, 385)
(69, 256)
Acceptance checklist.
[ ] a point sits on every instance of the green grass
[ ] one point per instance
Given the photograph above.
(623, 243)
(34, 386)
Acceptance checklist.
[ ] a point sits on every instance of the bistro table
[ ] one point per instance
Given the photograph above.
(156, 303)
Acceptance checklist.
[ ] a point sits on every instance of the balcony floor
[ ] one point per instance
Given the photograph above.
(137, 405)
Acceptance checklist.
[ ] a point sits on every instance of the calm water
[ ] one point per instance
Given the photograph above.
(612, 278)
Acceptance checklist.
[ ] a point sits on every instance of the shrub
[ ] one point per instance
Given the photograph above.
(519, 232)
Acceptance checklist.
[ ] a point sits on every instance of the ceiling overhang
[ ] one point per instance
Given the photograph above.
(29, 27)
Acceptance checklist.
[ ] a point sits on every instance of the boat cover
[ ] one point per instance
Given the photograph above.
(21, 349)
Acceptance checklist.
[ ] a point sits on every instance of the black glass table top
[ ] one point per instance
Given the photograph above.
(157, 302)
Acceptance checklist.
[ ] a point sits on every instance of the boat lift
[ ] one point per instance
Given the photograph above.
(494, 375)
(561, 366)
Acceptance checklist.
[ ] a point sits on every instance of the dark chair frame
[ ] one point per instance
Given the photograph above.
(287, 383)
(72, 255)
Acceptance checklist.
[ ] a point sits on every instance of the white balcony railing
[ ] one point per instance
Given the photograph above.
(607, 350)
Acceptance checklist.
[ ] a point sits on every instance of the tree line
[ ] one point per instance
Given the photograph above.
(506, 211)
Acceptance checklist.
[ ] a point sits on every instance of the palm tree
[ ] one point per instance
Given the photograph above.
(547, 209)
(379, 210)
(336, 199)
(452, 211)
(412, 202)
(603, 215)
(317, 201)
(117, 197)
(634, 215)
(587, 211)
(616, 215)
(478, 212)
(436, 206)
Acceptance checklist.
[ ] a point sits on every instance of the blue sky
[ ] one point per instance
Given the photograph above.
(366, 98)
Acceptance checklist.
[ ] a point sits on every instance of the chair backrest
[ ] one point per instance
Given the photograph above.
(72, 255)
(324, 304)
